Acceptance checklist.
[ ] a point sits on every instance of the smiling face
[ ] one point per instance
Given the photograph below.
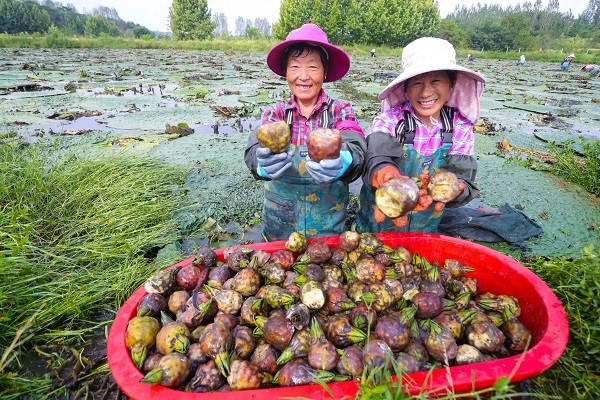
(305, 74)
(428, 92)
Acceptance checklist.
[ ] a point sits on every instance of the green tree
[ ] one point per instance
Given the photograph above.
(379, 22)
(517, 31)
(453, 32)
(96, 26)
(190, 20)
(140, 31)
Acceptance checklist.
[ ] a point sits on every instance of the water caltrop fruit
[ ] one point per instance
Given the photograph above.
(443, 186)
(274, 136)
(397, 196)
(324, 144)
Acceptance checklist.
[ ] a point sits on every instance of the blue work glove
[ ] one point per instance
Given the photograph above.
(273, 165)
(326, 171)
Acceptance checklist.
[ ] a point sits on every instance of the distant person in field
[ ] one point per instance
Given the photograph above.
(564, 66)
(373, 53)
(470, 57)
(521, 61)
(593, 69)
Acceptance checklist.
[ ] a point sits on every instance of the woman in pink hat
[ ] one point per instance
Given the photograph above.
(426, 124)
(302, 195)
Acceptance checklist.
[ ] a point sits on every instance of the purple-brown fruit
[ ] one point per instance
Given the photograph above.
(440, 343)
(397, 197)
(283, 258)
(349, 240)
(245, 375)
(243, 342)
(188, 276)
(377, 354)
(229, 320)
(191, 317)
(485, 336)
(205, 256)
(337, 301)
(173, 337)
(177, 302)
(216, 342)
(362, 317)
(298, 347)
(322, 353)
(278, 331)
(217, 276)
(206, 378)
(517, 334)
(265, 356)
(151, 305)
(407, 363)
(246, 282)
(324, 144)
(351, 361)
(443, 186)
(318, 252)
(252, 307)
(393, 332)
(298, 372)
(172, 370)
(429, 305)
(341, 332)
(369, 270)
(196, 356)
(151, 362)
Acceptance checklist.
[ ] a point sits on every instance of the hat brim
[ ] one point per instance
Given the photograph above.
(339, 61)
(424, 66)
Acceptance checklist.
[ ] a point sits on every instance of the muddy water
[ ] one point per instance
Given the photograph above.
(94, 102)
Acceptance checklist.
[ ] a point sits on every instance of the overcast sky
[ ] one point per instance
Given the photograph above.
(153, 14)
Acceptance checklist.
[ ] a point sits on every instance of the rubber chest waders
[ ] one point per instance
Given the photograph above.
(412, 165)
(296, 203)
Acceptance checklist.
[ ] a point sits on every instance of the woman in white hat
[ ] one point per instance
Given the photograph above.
(566, 63)
(426, 124)
(302, 195)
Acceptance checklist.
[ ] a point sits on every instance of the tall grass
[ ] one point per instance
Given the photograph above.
(576, 283)
(72, 241)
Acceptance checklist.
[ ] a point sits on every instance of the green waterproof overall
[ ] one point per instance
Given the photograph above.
(296, 203)
(412, 165)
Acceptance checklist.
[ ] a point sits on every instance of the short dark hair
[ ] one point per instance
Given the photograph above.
(297, 49)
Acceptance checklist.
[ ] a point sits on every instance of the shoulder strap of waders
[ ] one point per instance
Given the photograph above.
(406, 128)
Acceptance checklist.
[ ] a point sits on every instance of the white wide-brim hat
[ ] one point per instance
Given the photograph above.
(428, 54)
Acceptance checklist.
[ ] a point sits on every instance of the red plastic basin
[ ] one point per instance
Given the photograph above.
(542, 313)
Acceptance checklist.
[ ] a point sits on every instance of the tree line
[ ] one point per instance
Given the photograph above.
(523, 27)
(29, 16)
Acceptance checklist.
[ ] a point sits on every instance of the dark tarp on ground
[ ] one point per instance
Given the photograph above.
(487, 225)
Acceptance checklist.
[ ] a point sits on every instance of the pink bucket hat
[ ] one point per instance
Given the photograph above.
(339, 61)
(429, 54)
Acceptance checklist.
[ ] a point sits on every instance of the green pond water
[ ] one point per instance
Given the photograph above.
(94, 101)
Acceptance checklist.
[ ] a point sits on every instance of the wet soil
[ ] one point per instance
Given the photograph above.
(95, 101)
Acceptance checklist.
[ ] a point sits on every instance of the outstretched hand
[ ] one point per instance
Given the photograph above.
(274, 165)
